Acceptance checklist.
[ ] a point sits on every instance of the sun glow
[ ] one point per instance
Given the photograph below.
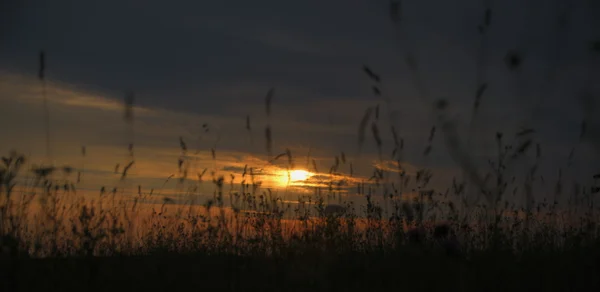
(296, 175)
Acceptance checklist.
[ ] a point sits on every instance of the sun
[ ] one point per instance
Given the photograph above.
(296, 175)
(299, 175)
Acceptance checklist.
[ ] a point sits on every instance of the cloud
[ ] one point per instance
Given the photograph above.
(395, 166)
(21, 88)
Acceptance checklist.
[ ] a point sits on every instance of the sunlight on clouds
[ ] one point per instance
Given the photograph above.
(228, 150)
(30, 90)
(294, 177)
(299, 175)
(395, 166)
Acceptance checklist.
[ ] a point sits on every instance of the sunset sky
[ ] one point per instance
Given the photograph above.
(196, 63)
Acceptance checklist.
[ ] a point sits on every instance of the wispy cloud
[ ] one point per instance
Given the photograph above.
(29, 90)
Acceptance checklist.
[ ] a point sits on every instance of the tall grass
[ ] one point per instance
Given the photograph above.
(47, 217)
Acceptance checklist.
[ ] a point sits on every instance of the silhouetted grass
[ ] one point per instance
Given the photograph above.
(233, 244)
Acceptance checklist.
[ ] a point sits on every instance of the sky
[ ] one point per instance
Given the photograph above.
(198, 65)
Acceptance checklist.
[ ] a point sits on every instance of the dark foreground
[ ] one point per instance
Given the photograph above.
(574, 271)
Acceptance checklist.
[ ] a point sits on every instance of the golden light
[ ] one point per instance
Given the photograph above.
(299, 175)
(296, 175)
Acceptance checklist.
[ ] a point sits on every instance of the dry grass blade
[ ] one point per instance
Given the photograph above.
(525, 132)
(499, 136)
(431, 134)
(363, 126)
(126, 169)
(571, 155)
(288, 153)
(376, 136)
(182, 145)
(308, 157)
(129, 99)
(371, 74)
(179, 164)
(377, 174)
(314, 163)
(117, 168)
(513, 60)
(395, 7)
(376, 91)
(67, 169)
(183, 176)
(441, 104)
(269, 140)
(429, 140)
(462, 158)
(480, 91)
(268, 100)
(42, 172)
(278, 156)
(427, 150)
(522, 149)
(248, 123)
(487, 20)
(395, 136)
(200, 175)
